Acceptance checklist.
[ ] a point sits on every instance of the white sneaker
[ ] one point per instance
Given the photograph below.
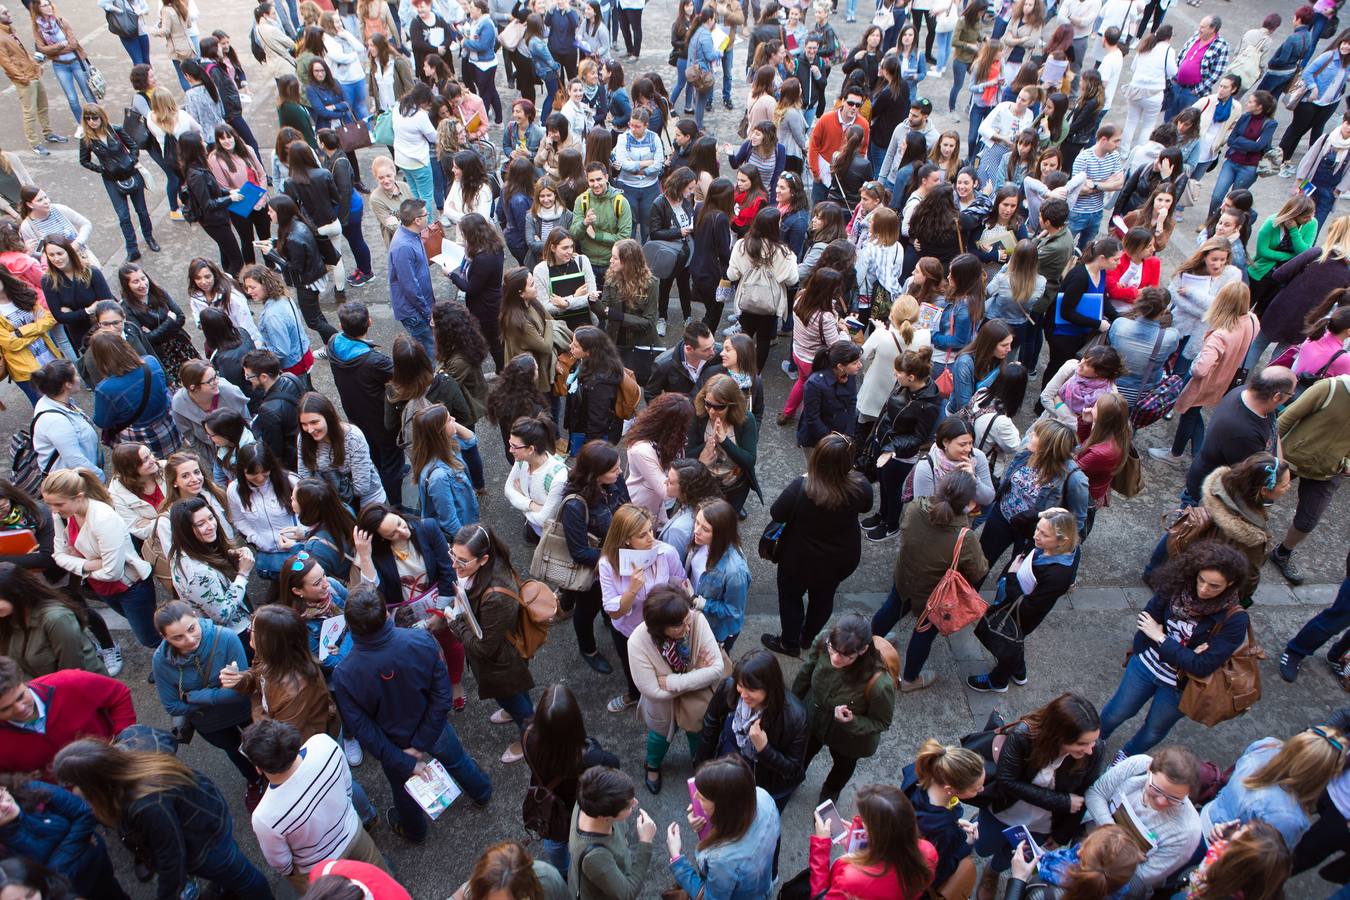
(660, 327)
(352, 749)
(112, 659)
(1162, 454)
(1287, 170)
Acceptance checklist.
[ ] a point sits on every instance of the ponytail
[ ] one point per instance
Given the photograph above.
(955, 767)
(73, 482)
(1332, 312)
(952, 497)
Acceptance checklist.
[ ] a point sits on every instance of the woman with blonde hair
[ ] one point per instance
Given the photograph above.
(1012, 293)
(1282, 236)
(939, 775)
(1210, 268)
(1232, 327)
(92, 542)
(1251, 860)
(892, 337)
(622, 596)
(629, 298)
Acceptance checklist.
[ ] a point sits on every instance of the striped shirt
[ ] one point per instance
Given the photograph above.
(55, 223)
(1178, 629)
(1098, 169)
(309, 817)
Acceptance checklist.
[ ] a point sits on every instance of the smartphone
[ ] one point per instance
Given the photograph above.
(838, 827)
(1017, 834)
(698, 808)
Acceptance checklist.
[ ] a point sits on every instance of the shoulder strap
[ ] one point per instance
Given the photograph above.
(46, 470)
(1321, 373)
(956, 553)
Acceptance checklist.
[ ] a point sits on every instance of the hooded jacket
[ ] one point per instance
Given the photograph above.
(393, 692)
(361, 372)
(1237, 524)
(189, 683)
(937, 825)
(277, 421)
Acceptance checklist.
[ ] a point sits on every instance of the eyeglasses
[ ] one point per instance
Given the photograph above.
(853, 103)
(829, 646)
(250, 377)
(209, 382)
(461, 563)
(300, 559)
(1322, 733)
(1161, 794)
(513, 446)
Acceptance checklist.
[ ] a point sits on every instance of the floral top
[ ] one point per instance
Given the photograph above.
(206, 589)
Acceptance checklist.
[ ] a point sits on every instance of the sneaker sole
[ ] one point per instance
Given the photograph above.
(877, 539)
(990, 689)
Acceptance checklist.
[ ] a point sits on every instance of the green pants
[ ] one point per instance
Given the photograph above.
(657, 745)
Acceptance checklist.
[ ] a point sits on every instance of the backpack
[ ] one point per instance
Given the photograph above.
(629, 395)
(410, 409)
(185, 205)
(758, 292)
(25, 472)
(538, 605)
(954, 604)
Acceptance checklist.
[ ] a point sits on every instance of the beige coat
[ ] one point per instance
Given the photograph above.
(277, 49)
(174, 31)
(1207, 105)
(1218, 361)
(685, 697)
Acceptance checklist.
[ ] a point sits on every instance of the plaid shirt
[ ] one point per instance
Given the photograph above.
(1213, 64)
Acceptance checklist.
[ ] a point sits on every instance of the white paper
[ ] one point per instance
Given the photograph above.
(435, 36)
(330, 634)
(434, 789)
(450, 257)
(631, 561)
(1198, 285)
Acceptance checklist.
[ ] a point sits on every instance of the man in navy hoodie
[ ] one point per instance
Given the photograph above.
(394, 695)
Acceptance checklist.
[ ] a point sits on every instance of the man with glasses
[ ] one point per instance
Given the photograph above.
(828, 136)
(1150, 798)
(275, 404)
(410, 293)
(39, 717)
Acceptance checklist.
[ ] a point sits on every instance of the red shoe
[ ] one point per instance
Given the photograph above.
(458, 704)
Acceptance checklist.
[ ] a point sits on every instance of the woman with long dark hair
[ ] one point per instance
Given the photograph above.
(259, 503)
(460, 352)
(480, 277)
(235, 163)
(767, 267)
(174, 818)
(593, 388)
(594, 491)
(326, 527)
(210, 287)
(159, 317)
(712, 247)
(515, 395)
(207, 573)
(210, 201)
(336, 452)
(71, 288)
(416, 384)
(445, 492)
(655, 440)
(895, 444)
(297, 253)
(690, 485)
(822, 543)
(44, 629)
(817, 325)
(737, 852)
(850, 169)
(672, 219)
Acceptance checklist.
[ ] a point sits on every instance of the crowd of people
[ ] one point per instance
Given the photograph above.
(308, 573)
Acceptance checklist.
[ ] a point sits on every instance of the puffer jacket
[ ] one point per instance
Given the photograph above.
(189, 685)
(56, 829)
(1236, 523)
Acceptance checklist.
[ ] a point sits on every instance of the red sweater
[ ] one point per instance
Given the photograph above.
(379, 884)
(1150, 277)
(79, 704)
(827, 137)
(1098, 463)
(846, 881)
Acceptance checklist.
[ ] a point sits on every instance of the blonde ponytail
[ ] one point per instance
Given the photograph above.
(70, 483)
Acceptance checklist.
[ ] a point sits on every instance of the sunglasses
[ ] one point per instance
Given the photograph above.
(854, 103)
(300, 559)
(716, 407)
(1322, 733)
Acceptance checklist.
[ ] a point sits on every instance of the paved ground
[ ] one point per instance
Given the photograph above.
(1079, 647)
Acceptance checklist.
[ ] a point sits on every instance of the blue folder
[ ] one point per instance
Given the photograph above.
(252, 194)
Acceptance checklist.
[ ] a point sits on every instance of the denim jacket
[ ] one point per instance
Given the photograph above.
(447, 496)
(482, 42)
(726, 587)
(1326, 73)
(702, 53)
(1075, 498)
(280, 325)
(738, 870)
(544, 63)
(315, 628)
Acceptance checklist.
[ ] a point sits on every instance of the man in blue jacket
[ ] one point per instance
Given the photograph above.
(410, 293)
(393, 691)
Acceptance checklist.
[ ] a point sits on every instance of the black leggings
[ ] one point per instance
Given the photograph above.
(1155, 11)
(630, 20)
(680, 279)
(760, 328)
(526, 83)
(485, 83)
(231, 257)
(705, 292)
(1309, 119)
(227, 739)
(800, 627)
(585, 607)
(839, 773)
(917, 18)
(621, 650)
(246, 227)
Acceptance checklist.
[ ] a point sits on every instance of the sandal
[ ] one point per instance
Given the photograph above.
(458, 704)
(620, 704)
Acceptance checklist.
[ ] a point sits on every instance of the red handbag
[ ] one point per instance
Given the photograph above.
(954, 604)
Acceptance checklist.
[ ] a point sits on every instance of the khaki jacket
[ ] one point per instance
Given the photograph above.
(1313, 436)
(304, 703)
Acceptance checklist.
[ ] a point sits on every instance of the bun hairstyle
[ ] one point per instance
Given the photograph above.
(953, 496)
(956, 767)
(917, 363)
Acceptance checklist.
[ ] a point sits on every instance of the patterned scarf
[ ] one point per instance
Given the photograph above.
(677, 654)
(1189, 606)
(1079, 393)
(741, 720)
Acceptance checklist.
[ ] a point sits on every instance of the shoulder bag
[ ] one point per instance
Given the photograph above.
(552, 562)
(1229, 690)
(771, 540)
(954, 604)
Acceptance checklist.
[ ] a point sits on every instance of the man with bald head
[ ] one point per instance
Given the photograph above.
(1202, 60)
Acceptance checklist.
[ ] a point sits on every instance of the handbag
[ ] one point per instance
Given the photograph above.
(133, 123)
(353, 136)
(433, 237)
(552, 562)
(663, 257)
(725, 293)
(512, 34)
(884, 18)
(701, 79)
(954, 604)
(1156, 403)
(1000, 629)
(383, 132)
(1228, 691)
(123, 22)
(771, 539)
(1189, 525)
(1129, 481)
(97, 83)
(129, 185)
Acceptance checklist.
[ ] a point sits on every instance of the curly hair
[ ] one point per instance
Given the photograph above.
(936, 218)
(515, 391)
(1177, 578)
(664, 423)
(697, 484)
(457, 331)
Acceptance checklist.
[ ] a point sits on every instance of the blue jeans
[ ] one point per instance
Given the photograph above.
(1323, 626)
(944, 48)
(641, 200)
(889, 613)
(851, 10)
(1084, 226)
(422, 186)
(122, 204)
(1000, 26)
(1190, 430)
(726, 71)
(1319, 24)
(1231, 177)
(471, 779)
(1027, 338)
(991, 841)
(361, 800)
(555, 854)
(876, 156)
(1324, 201)
(182, 81)
(268, 563)
(1176, 99)
(439, 183)
(550, 91)
(473, 461)
(72, 76)
(681, 84)
(1138, 686)
(357, 241)
(420, 331)
(138, 48)
(519, 707)
(29, 391)
(959, 70)
(137, 605)
(228, 867)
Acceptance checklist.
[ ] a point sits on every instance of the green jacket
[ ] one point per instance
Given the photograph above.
(614, 870)
(53, 640)
(822, 687)
(1053, 253)
(926, 553)
(613, 223)
(630, 327)
(1313, 436)
(966, 42)
(1267, 257)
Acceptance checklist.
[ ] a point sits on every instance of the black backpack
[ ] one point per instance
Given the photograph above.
(256, 45)
(543, 811)
(25, 472)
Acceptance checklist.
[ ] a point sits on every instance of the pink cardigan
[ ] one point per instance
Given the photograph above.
(647, 481)
(1217, 363)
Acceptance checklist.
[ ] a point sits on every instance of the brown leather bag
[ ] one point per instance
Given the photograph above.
(433, 236)
(1191, 524)
(1231, 689)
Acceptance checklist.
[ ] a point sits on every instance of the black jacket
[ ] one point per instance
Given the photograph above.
(820, 545)
(225, 87)
(661, 222)
(317, 198)
(1222, 633)
(828, 404)
(583, 523)
(277, 420)
(175, 832)
(71, 301)
(131, 333)
(340, 167)
(1083, 123)
(114, 158)
(162, 327)
(361, 381)
(890, 107)
(905, 425)
(1053, 580)
(937, 825)
(669, 374)
(300, 259)
(229, 362)
(590, 410)
(712, 248)
(1013, 781)
(426, 534)
(781, 766)
(209, 200)
(1139, 187)
(813, 89)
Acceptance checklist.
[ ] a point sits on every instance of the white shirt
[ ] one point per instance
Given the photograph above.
(309, 817)
(544, 485)
(413, 137)
(1035, 818)
(1110, 68)
(1151, 70)
(262, 522)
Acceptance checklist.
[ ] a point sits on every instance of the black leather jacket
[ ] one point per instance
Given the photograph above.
(781, 766)
(114, 158)
(1013, 781)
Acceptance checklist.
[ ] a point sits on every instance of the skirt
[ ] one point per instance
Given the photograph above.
(173, 352)
(161, 436)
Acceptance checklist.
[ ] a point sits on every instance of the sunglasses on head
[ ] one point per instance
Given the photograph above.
(300, 559)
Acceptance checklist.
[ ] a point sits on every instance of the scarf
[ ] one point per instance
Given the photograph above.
(677, 654)
(1079, 393)
(589, 92)
(1189, 606)
(741, 720)
(1338, 145)
(18, 517)
(1223, 109)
